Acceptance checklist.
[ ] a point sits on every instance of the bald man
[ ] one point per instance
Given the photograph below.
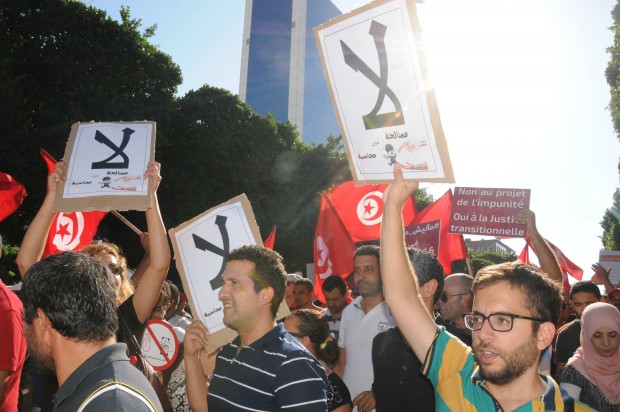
(455, 301)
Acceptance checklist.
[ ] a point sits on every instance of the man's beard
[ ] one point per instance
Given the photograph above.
(516, 361)
(42, 359)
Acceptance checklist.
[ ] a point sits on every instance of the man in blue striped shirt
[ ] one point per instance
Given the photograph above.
(264, 368)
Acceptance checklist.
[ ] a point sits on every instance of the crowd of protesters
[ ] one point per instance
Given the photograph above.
(404, 337)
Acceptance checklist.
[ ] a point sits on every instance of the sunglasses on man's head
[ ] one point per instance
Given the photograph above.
(444, 296)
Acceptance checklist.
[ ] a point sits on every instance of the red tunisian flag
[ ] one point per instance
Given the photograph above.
(271, 239)
(566, 265)
(451, 245)
(333, 247)
(12, 194)
(361, 209)
(69, 231)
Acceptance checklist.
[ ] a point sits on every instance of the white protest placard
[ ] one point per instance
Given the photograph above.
(160, 344)
(377, 75)
(105, 167)
(200, 246)
(611, 259)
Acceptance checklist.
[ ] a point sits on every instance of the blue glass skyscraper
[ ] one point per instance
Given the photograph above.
(281, 70)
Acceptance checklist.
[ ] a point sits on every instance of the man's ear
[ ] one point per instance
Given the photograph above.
(429, 288)
(44, 326)
(266, 295)
(545, 335)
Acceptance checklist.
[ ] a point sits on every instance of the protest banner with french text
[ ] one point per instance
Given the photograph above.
(488, 211)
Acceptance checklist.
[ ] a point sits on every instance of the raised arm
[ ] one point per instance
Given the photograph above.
(546, 258)
(147, 293)
(33, 244)
(399, 278)
(601, 277)
(196, 340)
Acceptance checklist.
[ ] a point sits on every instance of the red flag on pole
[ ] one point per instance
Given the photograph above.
(12, 194)
(524, 256)
(566, 265)
(271, 239)
(333, 247)
(451, 245)
(69, 231)
(361, 209)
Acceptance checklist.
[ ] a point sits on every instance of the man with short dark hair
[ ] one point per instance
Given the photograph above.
(361, 321)
(582, 294)
(70, 321)
(304, 294)
(264, 368)
(335, 292)
(398, 384)
(512, 322)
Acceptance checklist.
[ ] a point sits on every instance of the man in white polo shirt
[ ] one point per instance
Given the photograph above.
(361, 321)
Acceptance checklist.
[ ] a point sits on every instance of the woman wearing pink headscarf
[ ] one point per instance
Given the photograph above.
(592, 375)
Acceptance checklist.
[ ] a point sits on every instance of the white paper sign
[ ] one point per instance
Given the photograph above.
(109, 159)
(383, 99)
(203, 244)
(611, 259)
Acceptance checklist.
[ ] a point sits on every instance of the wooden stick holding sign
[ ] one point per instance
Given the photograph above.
(378, 78)
(127, 222)
(200, 246)
(105, 167)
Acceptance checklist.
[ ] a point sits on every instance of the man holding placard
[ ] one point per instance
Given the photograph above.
(512, 322)
(264, 368)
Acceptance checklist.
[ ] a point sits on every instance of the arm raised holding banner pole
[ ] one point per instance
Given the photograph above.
(548, 262)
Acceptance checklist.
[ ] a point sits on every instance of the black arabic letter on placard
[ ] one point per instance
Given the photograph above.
(118, 151)
(373, 120)
(205, 245)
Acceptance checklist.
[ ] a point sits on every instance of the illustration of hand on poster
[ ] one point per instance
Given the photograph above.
(106, 164)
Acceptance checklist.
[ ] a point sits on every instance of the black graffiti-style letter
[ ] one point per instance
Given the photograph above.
(118, 151)
(205, 245)
(373, 120)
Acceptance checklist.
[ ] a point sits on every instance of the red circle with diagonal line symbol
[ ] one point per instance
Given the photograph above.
(69, 228)
(370, 208)
(160, 344)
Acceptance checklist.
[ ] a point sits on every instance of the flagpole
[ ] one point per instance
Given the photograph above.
(127, 222)
(469, 267)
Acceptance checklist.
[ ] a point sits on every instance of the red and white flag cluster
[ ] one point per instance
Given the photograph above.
(351, 214)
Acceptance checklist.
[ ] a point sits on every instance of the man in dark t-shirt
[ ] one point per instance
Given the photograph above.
(398, 383)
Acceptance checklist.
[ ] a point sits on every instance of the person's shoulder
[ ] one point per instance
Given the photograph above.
(568, 328)
(117, 395)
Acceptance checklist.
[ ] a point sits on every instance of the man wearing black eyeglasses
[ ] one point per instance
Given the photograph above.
(513, 320)
(455, 301)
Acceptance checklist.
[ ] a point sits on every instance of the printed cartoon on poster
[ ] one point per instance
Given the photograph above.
(379, 82)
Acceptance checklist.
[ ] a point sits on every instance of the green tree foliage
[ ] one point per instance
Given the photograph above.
(220, 148)
(62, 62)
(611, 226)
(480, 259)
